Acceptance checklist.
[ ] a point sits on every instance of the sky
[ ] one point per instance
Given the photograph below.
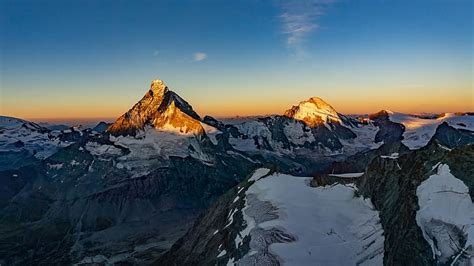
(94, 59)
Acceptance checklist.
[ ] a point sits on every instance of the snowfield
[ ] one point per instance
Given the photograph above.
(150, 147)
(446, 216)
(18, 135)
(419, 131)
(330, 224)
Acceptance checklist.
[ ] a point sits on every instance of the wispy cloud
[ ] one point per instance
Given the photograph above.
(156, 53)
(199, 56)
(299, 18)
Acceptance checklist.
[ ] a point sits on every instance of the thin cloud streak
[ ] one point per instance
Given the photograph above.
(299, 19)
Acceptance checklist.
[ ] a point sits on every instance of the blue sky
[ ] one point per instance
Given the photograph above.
(66, 59)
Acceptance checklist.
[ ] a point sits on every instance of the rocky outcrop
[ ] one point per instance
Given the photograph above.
(389, 132)
(451, 137)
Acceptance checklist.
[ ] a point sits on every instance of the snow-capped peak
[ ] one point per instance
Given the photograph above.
(314, 111)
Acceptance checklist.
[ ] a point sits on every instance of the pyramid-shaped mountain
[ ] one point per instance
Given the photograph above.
(161, 109)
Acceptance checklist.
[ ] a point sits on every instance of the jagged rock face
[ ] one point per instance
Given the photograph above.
(314, 112)
(392, 182)
(358, 162)
(161, 109)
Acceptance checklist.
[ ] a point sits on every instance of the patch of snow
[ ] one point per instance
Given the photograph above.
(55, 166)
(101, 149)
(259, 173)
(348, 175)
(222, 253)
(443, 147)
(241, 156)
(392, 156)
(446, 214)
(236, 199)
(230, 217)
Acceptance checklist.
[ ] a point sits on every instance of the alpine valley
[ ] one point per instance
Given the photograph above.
(163, 185)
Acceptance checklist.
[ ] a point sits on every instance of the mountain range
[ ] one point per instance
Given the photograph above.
(161, 185)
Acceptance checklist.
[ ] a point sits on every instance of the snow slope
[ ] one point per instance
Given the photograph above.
(446, 216)
(331, 226)
(419, 131)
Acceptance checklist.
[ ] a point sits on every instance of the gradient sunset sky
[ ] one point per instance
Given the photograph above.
(95, 59)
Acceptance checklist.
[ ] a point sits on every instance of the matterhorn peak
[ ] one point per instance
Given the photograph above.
(314, 111)
(161, 109)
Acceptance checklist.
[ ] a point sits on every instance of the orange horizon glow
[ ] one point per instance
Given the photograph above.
(242, 107)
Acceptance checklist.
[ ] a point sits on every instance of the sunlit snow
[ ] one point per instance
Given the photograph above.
(418, 131)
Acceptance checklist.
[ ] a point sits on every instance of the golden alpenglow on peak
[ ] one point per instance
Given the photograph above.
(314, 111)
(161, 109)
